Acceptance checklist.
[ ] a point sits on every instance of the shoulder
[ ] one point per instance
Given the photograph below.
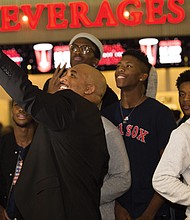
(159, 113)
(184, 128)
(109, 126)
(156, 105)
(179, 141)
(155, 102)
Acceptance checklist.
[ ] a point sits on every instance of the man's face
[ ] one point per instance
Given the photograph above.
(184, 98)
(74, 79)
(128, 72)
(79, 54)
(20, 117)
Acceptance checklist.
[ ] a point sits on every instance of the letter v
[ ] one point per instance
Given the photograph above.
(33, 18)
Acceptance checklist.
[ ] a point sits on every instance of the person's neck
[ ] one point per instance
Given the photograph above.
(24, 136)
(132, 99)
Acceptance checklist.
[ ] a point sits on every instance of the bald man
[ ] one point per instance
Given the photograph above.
(63, 172)
(91, 84)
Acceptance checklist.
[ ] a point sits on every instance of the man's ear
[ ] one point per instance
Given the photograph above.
(90, 88)
(143, 77)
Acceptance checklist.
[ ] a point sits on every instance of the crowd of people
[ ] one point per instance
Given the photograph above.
(78, 152)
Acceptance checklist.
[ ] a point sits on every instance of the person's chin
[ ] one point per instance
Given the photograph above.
(76, 62)
(187, 113)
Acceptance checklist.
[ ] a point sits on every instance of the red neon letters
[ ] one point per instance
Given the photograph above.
(106, 16)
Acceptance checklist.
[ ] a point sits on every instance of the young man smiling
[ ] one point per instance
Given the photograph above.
(145, 125)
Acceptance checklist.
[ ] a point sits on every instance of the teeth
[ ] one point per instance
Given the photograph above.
(63, 87)
(120, 77)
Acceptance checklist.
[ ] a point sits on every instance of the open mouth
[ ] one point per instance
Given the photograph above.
(63, 86)
(120, 77)
(77, 58)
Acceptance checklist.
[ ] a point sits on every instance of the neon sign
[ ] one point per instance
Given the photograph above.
(112, 54)
(78, 11)
(61, 55)
(14, 55)
(170, 51)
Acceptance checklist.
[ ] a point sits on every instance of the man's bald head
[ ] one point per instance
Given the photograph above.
(86, 81)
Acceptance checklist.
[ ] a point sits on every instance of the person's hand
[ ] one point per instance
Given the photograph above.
(121, 213)
(54, 83)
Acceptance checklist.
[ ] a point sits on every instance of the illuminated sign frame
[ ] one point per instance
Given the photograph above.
(112, 49)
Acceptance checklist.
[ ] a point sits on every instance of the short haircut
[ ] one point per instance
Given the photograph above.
(183, 77)
(141, 56)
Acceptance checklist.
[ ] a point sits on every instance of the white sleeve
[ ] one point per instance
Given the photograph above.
(174, 162)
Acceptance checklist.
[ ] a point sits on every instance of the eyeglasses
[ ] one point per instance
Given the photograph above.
(83, 49)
